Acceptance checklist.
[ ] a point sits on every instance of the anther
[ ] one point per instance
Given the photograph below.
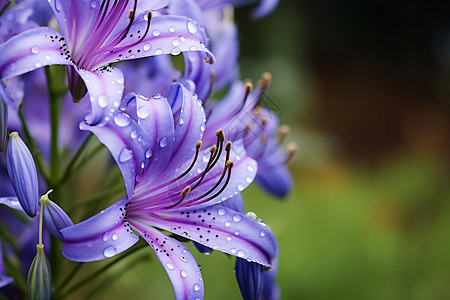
(291, 148)
(265, 80)
(184, 193)
(263, 139)
(227, 149)
(283, 131)
(220, 135)
(130, 14)
(264, 122)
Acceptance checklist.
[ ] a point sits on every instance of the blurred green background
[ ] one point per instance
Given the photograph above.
(365, 87)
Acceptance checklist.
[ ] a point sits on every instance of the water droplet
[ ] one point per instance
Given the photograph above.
(236, 232)
(240, 253)
(48, 57)
(157, 96)
(148, 153)
(227, 224)
(57, 5)
(196, 287)
(199, 170)
(105, 237)
(237, 218)
(197, 298)
(250, 168)
(193, 48)
(125, 154)
(38, 65)
(143, 111)
(182, 38)
(202, 127)
(229, 238)
(109, 251)
(184, 251)
(122, 120)
(120, 80)
(183, 259)
(158, 52)
(248, 179)
(181, 121)
(172, 29)
(262, 233)
(163, 142)
(175, 43)
(240, 187)
(93, 4)
(114, 237)
(183, 273)
(170, 266)
(175, 51)
(132, 56)
(133, 134)
(156, 32)
(233, 251)
(142, 165)
(147, 46)
(103, 100)
(192, 26)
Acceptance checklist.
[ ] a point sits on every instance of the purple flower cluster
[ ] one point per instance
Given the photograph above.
(184, 155)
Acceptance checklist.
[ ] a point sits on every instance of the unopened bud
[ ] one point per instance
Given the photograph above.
(55, 218)
(39, 281)
(22, 174)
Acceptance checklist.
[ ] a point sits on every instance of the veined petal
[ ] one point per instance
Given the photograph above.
(32, 49)
(39, 280)
(199, 73)
(222, 229)
(156, 119)
(190, 123)
(22, 174)
(249, 277)
(128, 145)
(176, 259)
(167, 35)
(105, 90)
(99, 237)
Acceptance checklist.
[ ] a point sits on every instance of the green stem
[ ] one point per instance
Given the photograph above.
(99, 271)
(70, 276)
(106, 193)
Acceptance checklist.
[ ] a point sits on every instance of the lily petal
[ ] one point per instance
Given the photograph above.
(168, 35)
(31, 50)
(99, 237)
(223, 229)
(126, 142)
(105, 92)
(12, 202)
(277, 181)
(178, 262)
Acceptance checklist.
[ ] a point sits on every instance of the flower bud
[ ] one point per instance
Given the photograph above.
(249, 277)
(39, 281)
(3, 123)
(55, 218)
(22, 173)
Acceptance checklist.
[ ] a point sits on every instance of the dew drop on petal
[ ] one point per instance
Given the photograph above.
(183, 273)
(193, 48)
(93, 4)
(157, 96)
(172, 29)
(192, 26)
(221, 212)
(248, 179)
(250, 168)
(170, 266)
(240, 253)
(147, 46)
(103, 100)
(148, 153)
(105, 237)
(227, 224)
(181, 121)
(197, 298)
(143, 111)
(38, 65)
(48, 57)
(229, 238)
(133, 134)
(120, 80)
(240, 187)
(158, 52)
(114, 237)
(196, 287)
(156, 32)
(236, 232)
(125, 154)
(163, 142)
(202, 127)
(262, 233)
(182, 38)
(122, 120)
(236, 218)
(175, 43)
(109, 251)
(175, 51)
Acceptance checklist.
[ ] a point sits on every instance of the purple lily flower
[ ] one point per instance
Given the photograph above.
(95, 34)
(257, 127)
(172, 184)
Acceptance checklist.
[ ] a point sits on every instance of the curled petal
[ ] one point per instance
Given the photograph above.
(177, 261)
(31, 50)
(105, 92)
(22, 174)
(223, 229)
(54, 217)
(101, 236)
(12, 202)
